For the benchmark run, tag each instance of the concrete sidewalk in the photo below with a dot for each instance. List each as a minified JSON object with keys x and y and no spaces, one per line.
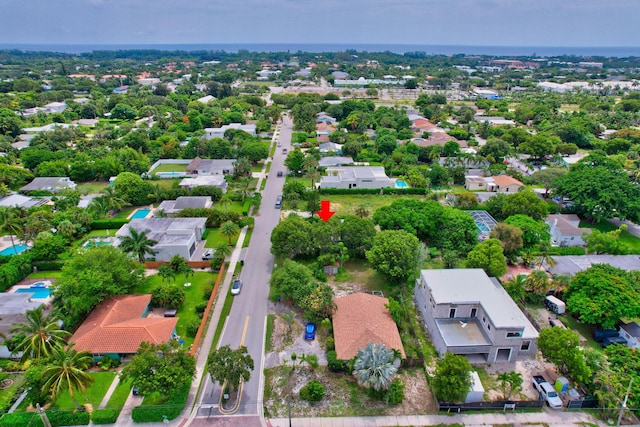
{"x":546,"y":418}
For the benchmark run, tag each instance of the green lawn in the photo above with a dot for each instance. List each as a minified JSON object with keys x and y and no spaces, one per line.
{"x":170,"y":167}
{"x":167,"y":183}
{"x":100,"y":233}
{"x":125,"y":212}
{"x":627,"y":238}
{"x":119,"y":395}
{"x":94,"y":393}
{"x":194,"y":297}
{"x":92,"y":187}
{"x":45,"y":275}
{"x":214,"y":238}
{"x":257,"y":167}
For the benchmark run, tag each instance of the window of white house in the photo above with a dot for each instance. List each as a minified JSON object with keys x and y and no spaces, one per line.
{"x":514,"y":334}
{"x":525,"y":345}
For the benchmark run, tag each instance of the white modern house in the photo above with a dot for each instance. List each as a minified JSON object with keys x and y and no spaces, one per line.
{"x":565,"y":230}
{"x":469,"y":313}
{"x":356,"y":177}
{"x":173,"y":236}
{"x":211,"y":133}
{"x":173,"y":207}
{"x":631,"y":333}
{"x":52,"y":184}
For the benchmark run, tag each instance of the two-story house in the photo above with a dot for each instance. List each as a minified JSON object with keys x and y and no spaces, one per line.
{"x":469,"y":313}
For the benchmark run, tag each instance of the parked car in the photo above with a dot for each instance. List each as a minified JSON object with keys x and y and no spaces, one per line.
{"x":310,"y":331}
{"x":547,"y":392}
{"x":278,"y":202}
{"x":135,"y":391}
{"x":613,"y":340}
{"x":280,"y":174}
{"x":208,"y":254}
{"x":236,"y":286}
{"x":284,"y":151}
{"x":601,"y":334}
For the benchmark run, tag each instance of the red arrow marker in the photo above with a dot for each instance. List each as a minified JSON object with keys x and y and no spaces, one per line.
{"x":325,"y":211}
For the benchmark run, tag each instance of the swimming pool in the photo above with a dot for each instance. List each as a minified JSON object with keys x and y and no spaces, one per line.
{"x":38,"y":293}
{"x":401,"y":184}
{"x":14,"y":250}
{"x":171,"y":174}
{"x":140,"y":213}
{"x":92,"y":243}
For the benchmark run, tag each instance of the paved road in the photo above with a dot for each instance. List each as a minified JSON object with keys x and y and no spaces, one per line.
{"x":248,"y":314}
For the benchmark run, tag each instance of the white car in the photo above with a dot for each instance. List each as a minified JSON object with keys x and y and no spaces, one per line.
{"x":208,"y":254}
{"x":236,"y":286}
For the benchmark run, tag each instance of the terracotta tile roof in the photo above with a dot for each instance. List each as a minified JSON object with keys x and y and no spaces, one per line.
{"x":423,"y":124}
{"x":194,"y":164}
{"x":361,"y":319}
{"x":505,"y":180}
{"x":116,"y":326}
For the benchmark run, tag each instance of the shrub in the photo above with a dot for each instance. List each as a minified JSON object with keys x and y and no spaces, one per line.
{"x":313,"y":391}
{"x":103,"y":224}
{"x":395,"y":394}
{"x":168,"y":295}
{"x":171,"y":408}
{"x":48,"y":265}
{"x":200,"y":308}
{"x":107,"y":363}
{"x":15,"y":269}
{"x":21,"y":419}
{"x":330,"y":344}
{"x":192,"y":328}
{"x":104,"y":416}
{"x":68,"y":418}
{"x":334,"y":364}
{"x":206,"y":292}
{"x":246,"y":221}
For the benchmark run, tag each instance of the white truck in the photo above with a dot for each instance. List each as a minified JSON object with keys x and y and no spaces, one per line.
{"x":547,"y":392}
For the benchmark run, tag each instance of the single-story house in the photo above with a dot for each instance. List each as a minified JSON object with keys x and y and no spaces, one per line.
{"x":55,"y":107}
{"x":494,"y":121}
{"x":173,"y":236}
{"x":173,"y":207}
{"x":334,"y":161}
{"x":328,"y":147}
{"x":205,"y":181}
{"x":21,"y":201}
{"x":631,"y":333}
{"x":565,"y":230}
{"x":119,"y":324}
{"x":573,"y":264}
{"x":495,"y":184}
{"x":52,"y":184}
{"x":438,"y":138}
{"x":13,"y":307}
{"x":356,"y":177}
{"x":361,"y":319}
{"x":211,"y":133}
{"x":467,"y":312}
{"x":205,"y":99}
{"x":200,"y":166}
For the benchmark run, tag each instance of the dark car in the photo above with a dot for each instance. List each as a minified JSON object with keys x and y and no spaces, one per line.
{"x":235,"y":288}
{"x":280,"y":174}
{"x":310,"y":331}
{"x":613,"y":340}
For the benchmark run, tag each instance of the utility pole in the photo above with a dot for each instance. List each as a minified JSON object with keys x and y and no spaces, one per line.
{"x":289,"y":408}
{"x":624,"y":403}
{"x":43,"y":416}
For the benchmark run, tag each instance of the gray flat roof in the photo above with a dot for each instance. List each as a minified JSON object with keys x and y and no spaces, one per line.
{"x":572,"y":264}
{"x":472,"y":285}
{"x":457,"y":334}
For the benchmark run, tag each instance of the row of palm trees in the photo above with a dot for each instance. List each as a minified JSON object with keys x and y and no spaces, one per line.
{"x":45,"y":343}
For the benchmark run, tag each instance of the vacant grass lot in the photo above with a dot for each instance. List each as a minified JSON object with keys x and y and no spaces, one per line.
{"x":170,"y":167}
{"x":94,"y":187}
{"x":195,"y":296}
{"x":346,"y":204}
{"x":627,"y":238}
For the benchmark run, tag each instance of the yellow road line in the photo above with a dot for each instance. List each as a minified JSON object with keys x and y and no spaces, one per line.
{"x":244,"y":331}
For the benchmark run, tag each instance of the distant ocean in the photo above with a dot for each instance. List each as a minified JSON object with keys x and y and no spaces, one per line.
{"x":612,"y":51}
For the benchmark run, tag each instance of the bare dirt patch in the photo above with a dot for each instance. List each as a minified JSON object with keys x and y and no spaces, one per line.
{"x":527,"y":368}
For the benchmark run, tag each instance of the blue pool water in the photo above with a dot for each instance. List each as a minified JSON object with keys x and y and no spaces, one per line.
{"x":93,"y":243}
{"x":14,"y":250}
{"x":171,"y":174}
{"x":141,"y":213}
{"x":39,"y":293}
{"x":401,"y":184}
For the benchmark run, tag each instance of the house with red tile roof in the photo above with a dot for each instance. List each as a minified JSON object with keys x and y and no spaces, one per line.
{"x":361,"y":319}
{"x":506,"y":184}
{"x":119,"y":324}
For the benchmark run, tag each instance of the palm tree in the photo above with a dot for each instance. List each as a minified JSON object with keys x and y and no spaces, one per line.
{"x":137,"y":243}
{"x":99,"y":207}
{"x":67,"y":372}
{"x":225,"y":200}
{"x":166,"y":272}
{"x":362,"y":211}
{"x":113,"y":201}
{"x":10,"y":223}
{"x":229,"y":229}
{"x":42,"y":334}
{"x":223,"y":250}
{"x":66,"y":228}
{"x":537,"y":282}
{"x":510,"y":383}
{"x":374,"y":367}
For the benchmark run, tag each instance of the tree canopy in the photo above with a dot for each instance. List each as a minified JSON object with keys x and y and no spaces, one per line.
{"x":489,"y":256}
{"x":452,"y":378}
{"x":394,"y":254}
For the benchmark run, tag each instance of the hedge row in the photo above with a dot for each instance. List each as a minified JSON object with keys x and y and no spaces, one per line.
{"x":104,"y":224}
{"x":56,"y":418}
{"x":48,"y":265}
{"x":390,"y":190}
{"x":13,"y":269}
{"x":171,"y":410}
{"x":105,"y":416}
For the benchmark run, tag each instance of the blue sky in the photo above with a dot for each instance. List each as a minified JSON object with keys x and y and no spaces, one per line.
{"x":421,"y":22}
